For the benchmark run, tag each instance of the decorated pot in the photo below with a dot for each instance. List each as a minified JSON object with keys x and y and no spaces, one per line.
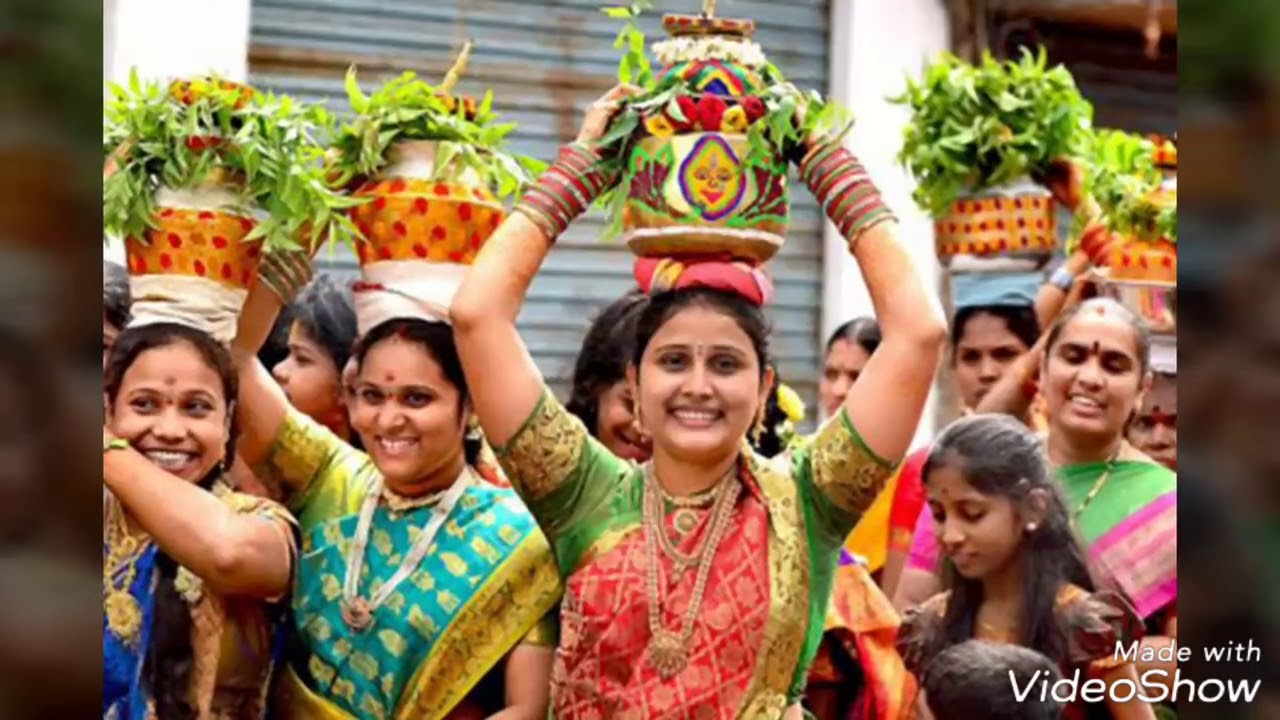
{"x":421,"y":229}
{"x":1010,"y":227}
{"x":195,"y":260}
{"x":693,"y":187}
{"x":692,"y":194}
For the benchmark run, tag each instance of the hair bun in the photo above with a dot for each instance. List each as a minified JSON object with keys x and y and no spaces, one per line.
{"x":656,"y":275}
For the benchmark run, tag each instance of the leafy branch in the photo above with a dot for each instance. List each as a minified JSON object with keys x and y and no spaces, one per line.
{"x":975,"y":127}
{"x":1123,"y":178}
{"x":407,"y":108}
{"x":262,"y":146}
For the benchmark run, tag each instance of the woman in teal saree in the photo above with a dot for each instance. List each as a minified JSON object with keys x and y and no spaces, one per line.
{"x":425,"y":589}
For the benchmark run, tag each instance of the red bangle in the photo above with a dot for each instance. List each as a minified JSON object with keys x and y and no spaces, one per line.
{"x":566,"y":189}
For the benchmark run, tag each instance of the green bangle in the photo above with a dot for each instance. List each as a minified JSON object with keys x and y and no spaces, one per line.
{"x":114,"y":444}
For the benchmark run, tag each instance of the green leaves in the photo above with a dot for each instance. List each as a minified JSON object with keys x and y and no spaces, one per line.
{"x":265,"y":144}
{"x":1122,"y":176}
{"x":408,"y":108}
{"x":978,"y":126}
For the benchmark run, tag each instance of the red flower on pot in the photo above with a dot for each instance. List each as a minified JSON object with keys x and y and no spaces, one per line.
{"x":689,"y":109}
{"x":755,"y":108}
{"x":710,"y":112}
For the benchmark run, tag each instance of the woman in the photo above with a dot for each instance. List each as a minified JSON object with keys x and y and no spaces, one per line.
{"x":319,"y":342}
{"x":1094,"y":373}
{"x":990,"y":332}
{"x":1015,"y":572}
{"x":734,"y":637}
{"x":847,"y":352}
{"x":423,"y":588}
{"x":190,"y":568}
{"x":1154,"y":428}
{"x":600,"y":397}
{"x":115,"y":305}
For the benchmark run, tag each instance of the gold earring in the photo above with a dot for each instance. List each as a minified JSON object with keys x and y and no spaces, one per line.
{"x":757,"y":428}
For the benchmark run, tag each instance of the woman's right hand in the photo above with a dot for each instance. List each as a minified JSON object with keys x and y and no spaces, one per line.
{"x":601,"y":112}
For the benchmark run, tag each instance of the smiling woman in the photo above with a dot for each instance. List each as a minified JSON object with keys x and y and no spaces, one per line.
{"x":186,"y":560}
{"x":734,"y":552}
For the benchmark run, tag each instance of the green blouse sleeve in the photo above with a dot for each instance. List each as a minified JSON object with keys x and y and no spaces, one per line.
{"x":573,"y":485}
{"x":839,"y":478}
{"x":312,"y":462}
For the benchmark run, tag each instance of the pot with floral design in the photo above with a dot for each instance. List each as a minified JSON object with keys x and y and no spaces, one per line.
{"x":695,"y":182}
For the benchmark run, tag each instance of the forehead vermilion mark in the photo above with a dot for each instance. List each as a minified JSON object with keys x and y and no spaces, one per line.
{"x":389,"y":378}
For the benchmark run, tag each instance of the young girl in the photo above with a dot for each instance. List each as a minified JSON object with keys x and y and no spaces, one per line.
{"x":1014,"y":571}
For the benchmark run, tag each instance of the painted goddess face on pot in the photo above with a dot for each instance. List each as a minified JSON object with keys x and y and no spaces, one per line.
{"x":711,"y":178}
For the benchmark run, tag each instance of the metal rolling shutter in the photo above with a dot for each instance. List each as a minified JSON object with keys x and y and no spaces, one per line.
{"x":546,"y":62}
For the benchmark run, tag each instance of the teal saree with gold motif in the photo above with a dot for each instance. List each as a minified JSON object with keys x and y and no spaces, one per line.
{"x":487,"y":583}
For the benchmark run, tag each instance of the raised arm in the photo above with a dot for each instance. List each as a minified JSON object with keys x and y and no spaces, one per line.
{"x":234,"y":553}
{"x":504,"y":383}
{"x":883,"y":407}
{"x":262,"y":405}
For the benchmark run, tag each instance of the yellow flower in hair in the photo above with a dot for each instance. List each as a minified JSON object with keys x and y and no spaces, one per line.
{"x":659,"y":126}
{"x":790,"y":404}
{"x":734,"y":120}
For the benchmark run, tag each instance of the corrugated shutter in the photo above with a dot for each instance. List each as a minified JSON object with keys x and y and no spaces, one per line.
{"x":546,"y":62}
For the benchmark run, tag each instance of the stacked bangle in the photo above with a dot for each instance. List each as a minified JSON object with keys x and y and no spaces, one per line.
{"x":285,"y":273}
{"x":566,"y":189}
{"x":843,"y":189}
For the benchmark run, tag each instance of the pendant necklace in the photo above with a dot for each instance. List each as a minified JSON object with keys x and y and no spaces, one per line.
{"x":358,"y":611}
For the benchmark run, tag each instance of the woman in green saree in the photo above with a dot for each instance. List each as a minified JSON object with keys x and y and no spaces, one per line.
{"x":696,"y":584}
{"x":424,"y":589}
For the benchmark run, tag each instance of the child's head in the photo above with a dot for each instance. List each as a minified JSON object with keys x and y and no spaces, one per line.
{"x":998,"y":511}
{"x":975,"y":679}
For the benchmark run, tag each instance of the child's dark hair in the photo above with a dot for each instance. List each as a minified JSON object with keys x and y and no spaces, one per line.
{"x":862,"y":331}
{"x":972,"y":680}
{"x":1020,"y":319}
{"x":168,"y":665}
{"x":663,"y":306}
{"x":602,"y":362}
{"x":998,"y":455}
{"x":1141,"y":331}
{"x":115,"y":294}
{"x":436,"y":338}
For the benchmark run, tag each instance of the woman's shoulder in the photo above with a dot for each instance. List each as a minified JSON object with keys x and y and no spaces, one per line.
{"x":1096,"y":624}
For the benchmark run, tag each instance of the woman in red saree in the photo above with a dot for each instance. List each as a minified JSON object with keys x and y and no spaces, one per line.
{"x":697,"y":584}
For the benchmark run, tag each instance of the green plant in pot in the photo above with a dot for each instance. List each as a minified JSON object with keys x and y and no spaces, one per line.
{"x":704,"y":149}
{"x":429,"y":167}
{"x":1139,"y":219}
{"x":981,"y":140}
{"x":202,"y":178}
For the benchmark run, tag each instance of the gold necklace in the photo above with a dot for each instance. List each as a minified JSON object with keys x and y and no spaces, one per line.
{"x":686,"y":516}
{"x":119,"y":569}
{"x":1097,"y":486}
{"x":398,"y":503}
{"x":669,"y":650}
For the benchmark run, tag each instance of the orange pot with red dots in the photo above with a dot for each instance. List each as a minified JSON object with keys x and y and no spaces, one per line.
{"x":998,"y":225}
{"x":197,"y":243}
{"x":416,"y":219}
{"x":1144,"y":261}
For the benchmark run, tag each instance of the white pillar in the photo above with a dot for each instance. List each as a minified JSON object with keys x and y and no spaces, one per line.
{"x":166,"y":39}
{"x":875,"y":46}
